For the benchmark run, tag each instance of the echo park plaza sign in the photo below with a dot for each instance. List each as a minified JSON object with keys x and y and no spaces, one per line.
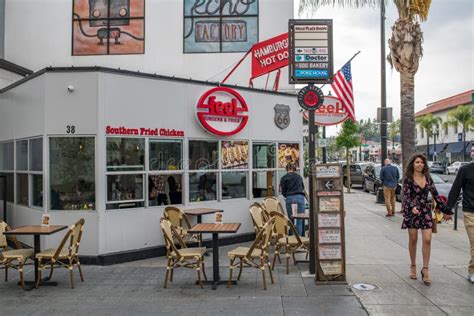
{"x":222,"y":111}
{"x":330,"y":113}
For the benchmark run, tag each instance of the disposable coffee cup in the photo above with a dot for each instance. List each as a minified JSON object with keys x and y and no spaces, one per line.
{"x":294,"y":209}
{"x":218,"y":217}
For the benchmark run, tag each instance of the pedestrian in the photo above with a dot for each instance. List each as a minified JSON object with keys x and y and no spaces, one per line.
{"x":465,"y":181}
{"x":292,"y":188}
{"x":417,"y":212}
{"x":389,"y":176}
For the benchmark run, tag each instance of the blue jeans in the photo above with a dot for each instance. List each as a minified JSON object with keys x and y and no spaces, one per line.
{"x":299,"y":200}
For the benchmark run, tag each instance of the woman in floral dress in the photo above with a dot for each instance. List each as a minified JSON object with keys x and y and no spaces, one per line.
{"x":416,"y":207}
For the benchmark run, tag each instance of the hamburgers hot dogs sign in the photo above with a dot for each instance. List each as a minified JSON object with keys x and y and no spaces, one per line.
{"x":222,"y":111}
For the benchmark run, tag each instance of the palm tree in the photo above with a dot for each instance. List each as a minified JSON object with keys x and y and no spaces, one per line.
{"x":461,"y":115}
{"x":429,"y":123}
{"x":405,"y":53}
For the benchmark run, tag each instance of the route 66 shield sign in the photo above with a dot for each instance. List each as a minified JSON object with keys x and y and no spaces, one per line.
{"x":282,"y":115}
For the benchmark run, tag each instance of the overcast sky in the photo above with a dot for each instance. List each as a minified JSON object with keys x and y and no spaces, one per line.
{"x":446,"y":68}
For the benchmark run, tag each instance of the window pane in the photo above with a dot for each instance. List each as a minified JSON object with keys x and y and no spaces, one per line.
{"x":125,"y":154}
{"x":235,"y":155}
{"x":22,"y":155}
{"x":124,"y":187}
{"x":203,"y":154}
{"x":165,"y":155}
{"x":36,"y":154}
{"x":264,"y":155}
{"x":234,"y":185}
{"x":202,"y":186}
{"x":22,"y":189}
{"x":6,"y":156}
{"x":37,"y":187}
{"x":10,"y":187}
{"x":263,"y":183}
{"x":72,"y":173}
{"x":165,"y":189}
{"x":288,"y":153}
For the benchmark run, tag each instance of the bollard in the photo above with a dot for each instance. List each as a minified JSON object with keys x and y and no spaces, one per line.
{"x":380,"y":199}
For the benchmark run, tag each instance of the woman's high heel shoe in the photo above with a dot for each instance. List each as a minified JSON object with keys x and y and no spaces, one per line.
{"x":427,"y":280}
{"x":413,"y":272}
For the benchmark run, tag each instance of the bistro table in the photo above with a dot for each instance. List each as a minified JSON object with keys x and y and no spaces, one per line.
{"x":199,"y":212}
{"x":36,"y":231}
{"x":215,"y":229}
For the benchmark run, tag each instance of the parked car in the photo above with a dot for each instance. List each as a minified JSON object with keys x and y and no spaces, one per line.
{"x":356,"y":171}
{"x":454,"y":167}
{"x":372,"y":183}
{"x":436,"y":167}
{"x":442,"y":187}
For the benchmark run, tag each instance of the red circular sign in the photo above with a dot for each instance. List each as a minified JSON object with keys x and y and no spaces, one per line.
{"x":311,"y":98}
{"x":222,"y":111}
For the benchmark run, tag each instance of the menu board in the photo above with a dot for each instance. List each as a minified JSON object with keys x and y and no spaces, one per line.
{"x":329,"y":220}
{"x":288,"y":153}
{"x":327,"y":172}
{"x":330,"y":252}
{"x":332,"y":267}
{"x":235,"y":154}
{"x":329,"y":204}
{"x":329,"y":236}
{"x":328,"y":185}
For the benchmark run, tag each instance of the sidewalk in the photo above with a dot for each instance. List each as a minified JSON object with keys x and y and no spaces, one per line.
{"x":376,"y":254}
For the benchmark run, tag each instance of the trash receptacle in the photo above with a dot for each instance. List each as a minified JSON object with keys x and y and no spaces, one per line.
{"x":380,"y":199}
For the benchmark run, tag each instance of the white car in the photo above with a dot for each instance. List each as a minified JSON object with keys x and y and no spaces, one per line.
{"x":453,"y":169}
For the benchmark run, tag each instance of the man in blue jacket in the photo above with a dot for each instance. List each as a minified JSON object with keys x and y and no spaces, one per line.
{"x":389,"y":176}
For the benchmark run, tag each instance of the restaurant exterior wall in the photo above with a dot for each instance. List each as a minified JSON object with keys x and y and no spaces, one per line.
{"x":44,"y":106}
{"x":163,"y":48}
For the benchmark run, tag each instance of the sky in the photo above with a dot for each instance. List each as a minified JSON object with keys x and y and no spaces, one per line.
{"x":446,"y":69}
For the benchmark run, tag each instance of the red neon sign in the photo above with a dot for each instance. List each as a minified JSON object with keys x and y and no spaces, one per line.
{"x":222,"y":111}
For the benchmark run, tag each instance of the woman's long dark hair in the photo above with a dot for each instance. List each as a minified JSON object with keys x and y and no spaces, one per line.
{"x":411,"y":166}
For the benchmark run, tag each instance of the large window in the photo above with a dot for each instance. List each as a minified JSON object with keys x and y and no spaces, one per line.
{"x":72,"y":173}
{"x":202,"y":186}
{"x":203,"y":154}
{"x":220,"y":25}
{"x":125,"y":154}
{"x":29,"y":172}
{"x":105,"y":27}
{"x":7,"y":167}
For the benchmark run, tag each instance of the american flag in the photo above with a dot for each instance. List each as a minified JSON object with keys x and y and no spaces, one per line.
{"x":342,"y":86}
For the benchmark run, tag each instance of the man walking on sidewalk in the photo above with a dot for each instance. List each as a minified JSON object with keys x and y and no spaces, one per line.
{"x":465,"y":181}
{"x":389,"y":176}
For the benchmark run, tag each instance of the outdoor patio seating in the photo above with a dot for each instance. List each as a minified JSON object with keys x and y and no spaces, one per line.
{"x":184,"y":257}
{"x":181,"y":224}
{"x":255,"y":256}
{"x":272,"y":204}
{"x":64,"y":256}
{"x":292,"y":244}
{"x":14,"y":259}
{"x":259,"y":217}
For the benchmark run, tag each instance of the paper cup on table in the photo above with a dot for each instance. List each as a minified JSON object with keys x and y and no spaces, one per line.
{"x":294,"y":209}
{"x":218,"y":217}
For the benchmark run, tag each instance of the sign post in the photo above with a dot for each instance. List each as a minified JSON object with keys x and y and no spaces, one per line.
{"x":311,"y":62}
{"x":330,"y":232}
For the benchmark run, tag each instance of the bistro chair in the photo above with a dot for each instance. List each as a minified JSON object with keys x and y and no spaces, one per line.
{"x":64,"y":256}
{"x":16,"y":258}
{"x":255,"y":256}
{"x":184,"y":257}
{"x":292,"y":244}
{"x":258,"y":215}
{"x":181,"y":224}
{"x":273,"y":204}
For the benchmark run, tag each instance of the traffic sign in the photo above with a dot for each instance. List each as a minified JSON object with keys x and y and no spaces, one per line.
{"x":311,"y":52}
{"x":310,"y":98}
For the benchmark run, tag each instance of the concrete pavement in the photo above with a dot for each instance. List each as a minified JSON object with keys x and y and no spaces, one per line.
{"x":376,"y":254}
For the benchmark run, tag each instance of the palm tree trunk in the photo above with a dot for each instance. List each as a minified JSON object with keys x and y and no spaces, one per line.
{"x":427,"y":146}
{"x":407,"y":111}
{"x":464,"y":144}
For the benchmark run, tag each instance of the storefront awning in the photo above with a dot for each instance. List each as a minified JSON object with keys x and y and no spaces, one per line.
{"x":458,"y":147}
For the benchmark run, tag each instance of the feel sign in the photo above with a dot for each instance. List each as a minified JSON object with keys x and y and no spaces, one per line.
{"x":311,"y":52}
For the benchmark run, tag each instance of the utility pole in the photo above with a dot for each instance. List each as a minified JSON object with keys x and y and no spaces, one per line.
{"x":324,"y":148}
{"x":383,"y":103}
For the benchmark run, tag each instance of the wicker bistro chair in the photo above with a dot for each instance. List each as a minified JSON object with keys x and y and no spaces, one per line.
{"x":14,"y":259}
{"x":272,"y":204}
{"x":258,"y":215}
{"x":181,"y":224}
{"x":292,"y":244}
{"x":256,"y":256}
{"x":65,"y":256}
{"x":183,"y":257}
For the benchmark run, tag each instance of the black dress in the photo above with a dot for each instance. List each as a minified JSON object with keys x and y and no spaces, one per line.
{"x":415,"y":196}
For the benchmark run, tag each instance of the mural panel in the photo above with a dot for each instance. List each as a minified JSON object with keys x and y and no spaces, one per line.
{"x":215,"y":26}
{"x":108,"y":27}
